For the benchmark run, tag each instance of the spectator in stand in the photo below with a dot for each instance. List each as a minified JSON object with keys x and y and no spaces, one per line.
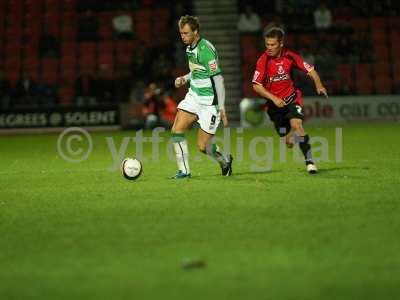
{"x":137,"y":91}
{"x":49,"y":45}
{"x":322,"y":17}
{"x":344,"y":48}
{"x":363,"y":46}
{"x":92,"y":5}
{"x":152,"y":106}
{"x":26,"y":91}
{"x":5,"y":91}
{"x":161,"y":70}
{"x":249,"y":21}
{"x":360,"y":7}
{"x":168,"y":110}
{"x":140,"y":63}
{"x":105,"y":85}
{"x":123,"y":85}
{"x":343,"y":16}
{"x":85,"y":88}
{"x":122,"y":25}
{"x":46,"y":94}
{"x":88,"y":27}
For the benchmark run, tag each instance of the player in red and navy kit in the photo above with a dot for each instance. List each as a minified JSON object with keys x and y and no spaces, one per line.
{"x":273,"y":81}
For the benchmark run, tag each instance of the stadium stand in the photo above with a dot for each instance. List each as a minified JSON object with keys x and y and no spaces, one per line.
{"x":358,"y":55}
{"x":367,"y":43}
{"x":54,"y":41}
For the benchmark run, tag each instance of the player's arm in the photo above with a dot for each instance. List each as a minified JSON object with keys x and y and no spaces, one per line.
{"x":260,"y":76}
{"x":310,"y":71}
{"x":319,"y":87}
{"x":182,"y":80}
{"x":263,"y":92}
{"x":209,"y":60}
{"x":220,"y":90}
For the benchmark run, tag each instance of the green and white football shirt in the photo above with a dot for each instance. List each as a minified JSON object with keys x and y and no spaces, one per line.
{"x":203,"y":65}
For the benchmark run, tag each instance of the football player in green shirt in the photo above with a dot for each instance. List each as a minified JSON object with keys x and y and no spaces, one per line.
{"x":204,"y":102}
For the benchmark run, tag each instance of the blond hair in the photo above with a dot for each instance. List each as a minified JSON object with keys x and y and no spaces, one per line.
{"x":192,"y":21}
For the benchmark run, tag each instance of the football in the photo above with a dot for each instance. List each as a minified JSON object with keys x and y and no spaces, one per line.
{"x":131,"y":168}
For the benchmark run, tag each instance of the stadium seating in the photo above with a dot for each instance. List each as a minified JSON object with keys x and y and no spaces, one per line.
{"x":396,"y":78}
{"x":346,"y":76}
{"x":375,"y":43}
{"x":360,"y":24}
{"x":22,"y":23}
{"x":378,"y":22}
{"x":383,"y":85}
{"x":382,"y":79}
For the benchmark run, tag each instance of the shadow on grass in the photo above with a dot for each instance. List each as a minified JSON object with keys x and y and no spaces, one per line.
{"x":250,"y":176}
{"x":257,"y":173}
{"x":273,"y":176}
{"x":340,"y":173}
{"x":238,"y":174}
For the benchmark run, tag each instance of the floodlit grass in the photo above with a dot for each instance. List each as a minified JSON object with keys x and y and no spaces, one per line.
{"x":81,"y":231}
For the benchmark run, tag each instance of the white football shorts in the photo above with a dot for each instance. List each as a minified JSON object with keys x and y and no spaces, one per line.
{"x":208,"y":115}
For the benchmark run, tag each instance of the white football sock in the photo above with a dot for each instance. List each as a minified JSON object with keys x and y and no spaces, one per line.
{"x":182,"y":156}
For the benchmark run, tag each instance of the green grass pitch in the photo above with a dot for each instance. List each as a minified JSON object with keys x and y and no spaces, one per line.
{"x":81,"y":231}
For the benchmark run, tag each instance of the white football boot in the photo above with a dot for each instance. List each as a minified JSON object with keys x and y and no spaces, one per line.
{"x":312,"y":168}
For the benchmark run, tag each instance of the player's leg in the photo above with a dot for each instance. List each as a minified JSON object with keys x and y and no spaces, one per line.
{"x":295,"y":116}
{"x":207,"y":146}
{"x":304,"y":143}
{"x":209,"y":120}
{"x":289,"y":139}
{"x":296,"y":126}
{"x":281,"y":123}
{"x":182,"y":123}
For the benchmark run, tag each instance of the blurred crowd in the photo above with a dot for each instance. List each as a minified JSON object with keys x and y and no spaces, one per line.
{"x":298,"y":13}
{"x":148,"y":77}
{"x":130,"y":81}
{"x":26,"y":93}
{"x":326,"y":33}
{"x":159,"y":107}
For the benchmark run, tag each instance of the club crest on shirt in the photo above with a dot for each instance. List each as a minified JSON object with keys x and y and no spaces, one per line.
{"x":281,"y":70}
{"x":213,"y":65}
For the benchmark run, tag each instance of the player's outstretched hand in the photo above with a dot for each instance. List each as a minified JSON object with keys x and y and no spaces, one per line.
{"x":223,"y":116}
{"x":322,"y":91}
{"x":180,"y":81}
